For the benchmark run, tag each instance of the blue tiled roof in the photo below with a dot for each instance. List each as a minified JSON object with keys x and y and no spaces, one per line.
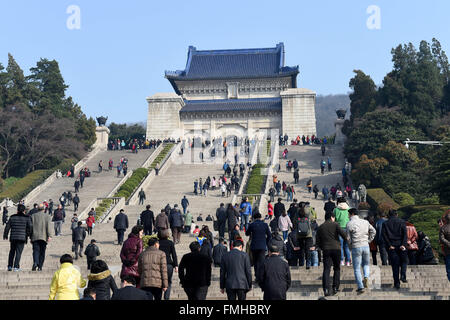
{"x":263,"y":104}
{"x":232,"y":64}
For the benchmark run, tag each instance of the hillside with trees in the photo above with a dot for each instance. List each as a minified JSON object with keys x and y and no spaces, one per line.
{"x":413,"y":103}
{"x":40,"y":126}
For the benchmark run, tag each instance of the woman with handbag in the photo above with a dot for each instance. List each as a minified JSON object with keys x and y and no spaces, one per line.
{"x":412,"y":245}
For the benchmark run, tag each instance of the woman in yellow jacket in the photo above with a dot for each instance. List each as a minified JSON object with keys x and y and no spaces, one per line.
{"x":66,"y":281}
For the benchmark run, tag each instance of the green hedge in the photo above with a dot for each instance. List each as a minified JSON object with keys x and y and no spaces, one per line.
{"x":404,"y":199}
{"x":161,"y":155}
{"x":256,"y":180}
{"x":375,"y":197}
{"x":21,"y":187}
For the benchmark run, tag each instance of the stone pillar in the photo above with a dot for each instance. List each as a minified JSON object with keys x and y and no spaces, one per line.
{"x":102,"y":134}
{"x":298,"y":113}
{"x":164,"y":116}
{"x":340,"y":137}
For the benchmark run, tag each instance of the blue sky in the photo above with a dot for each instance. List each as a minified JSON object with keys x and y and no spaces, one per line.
{"x":119,"y":55}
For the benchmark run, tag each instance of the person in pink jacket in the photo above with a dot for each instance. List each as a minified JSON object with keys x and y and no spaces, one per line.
{"x":284,"y":223}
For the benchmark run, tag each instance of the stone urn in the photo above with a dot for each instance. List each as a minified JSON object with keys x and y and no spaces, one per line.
{"x":102,"y":121}
{"x":341,"y":113}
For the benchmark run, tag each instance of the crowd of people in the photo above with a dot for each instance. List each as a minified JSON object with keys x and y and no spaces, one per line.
{"x":304,"y":140}
{"x":285,"y":238}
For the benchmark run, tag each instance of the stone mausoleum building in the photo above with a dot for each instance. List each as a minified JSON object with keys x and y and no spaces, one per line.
{"x":223,"y":93}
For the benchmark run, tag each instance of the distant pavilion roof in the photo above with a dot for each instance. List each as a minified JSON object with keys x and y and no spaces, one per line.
{"x":257,"y":104}
{"x":233,"y":64}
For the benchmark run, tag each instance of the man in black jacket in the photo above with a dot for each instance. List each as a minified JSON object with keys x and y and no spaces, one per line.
{"x":329,"y":205}
{"x":221,"y":214}
{"x":176,"y":223}
{"x":76,"y":202}
{"x":78,"y":236}
{"x":120,"y":225}
{"x":219,"y":250}
{"x":21,"y":229}
{"x":194,"y":272}
{"x":236,"y":273}
{"x":260,"y":235}
{"x":278,"y":209}
{"x":275,"y":276}
{"x":147,"y":220}
{"x":129,"y":291}
{"x":141,"y":196}
{"x":327,"y":239}
{"x":395,"y":240}
{"x":232,"y":219}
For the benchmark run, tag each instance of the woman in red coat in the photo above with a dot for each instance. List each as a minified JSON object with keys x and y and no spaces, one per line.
{"x":270,"y":210}
{"x":90,"y":222}
{"x":411,"y":244}
{"x":131,"y":249}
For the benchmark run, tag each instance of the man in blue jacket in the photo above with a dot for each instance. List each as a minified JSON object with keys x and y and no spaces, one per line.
{"x":260,"y":236}
{"x":246,"y":212}
{"x":379,"y":238}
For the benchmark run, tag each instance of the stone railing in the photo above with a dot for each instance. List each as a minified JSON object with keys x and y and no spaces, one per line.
{"x":252,"y":159}
{"x":113,"y":210}
{"x":271,"y":169}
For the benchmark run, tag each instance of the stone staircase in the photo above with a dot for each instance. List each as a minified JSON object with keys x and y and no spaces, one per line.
{"x":309,"y":158}
{"x":425,"y":282}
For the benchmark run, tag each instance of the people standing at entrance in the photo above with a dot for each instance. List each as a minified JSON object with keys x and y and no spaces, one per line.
{"x":120,"y":225}
{"x":40,"y":237}
{"x":395,"y":240}
{"x":129,"y":254}
{"x":260,"y":235}
{"x":19,"y":227}
{"x":195,"y":273}
{"x":328,"y":240}
{"x":152,"y":268}
{"x":360,"y":234}
{"x":147,"y":220}
{"x":236,"y":273}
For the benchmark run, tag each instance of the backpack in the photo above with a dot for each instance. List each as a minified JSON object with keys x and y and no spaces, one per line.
{"x":303,"y":227}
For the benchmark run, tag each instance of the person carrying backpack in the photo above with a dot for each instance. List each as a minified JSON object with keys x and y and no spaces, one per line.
{"x":304,"y":235}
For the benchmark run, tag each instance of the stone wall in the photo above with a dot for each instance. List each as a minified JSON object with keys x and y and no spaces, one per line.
{"x":298,"y":116}
{"x":247,"y":88}
{"x":164,"y":116}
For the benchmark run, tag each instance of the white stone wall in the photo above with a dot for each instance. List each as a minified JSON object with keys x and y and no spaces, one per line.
{"x":298,"y":113}
{"x":164,"y":116}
